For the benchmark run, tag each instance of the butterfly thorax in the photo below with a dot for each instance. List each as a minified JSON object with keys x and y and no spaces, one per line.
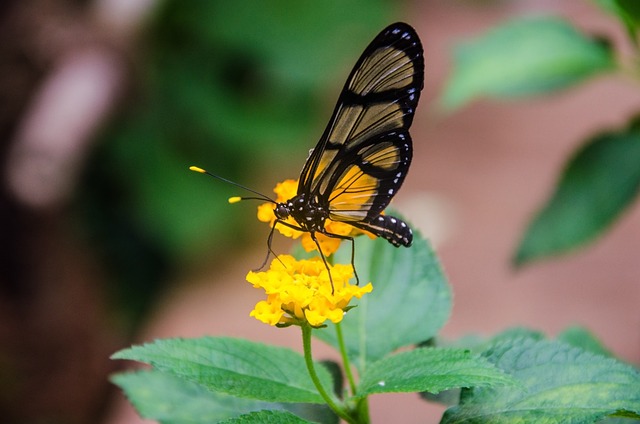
{"x":308,"y":213}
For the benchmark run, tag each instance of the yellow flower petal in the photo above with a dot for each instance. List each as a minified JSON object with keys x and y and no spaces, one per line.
{"x":266,"y":214}
{"x":286,"y":190}
{"x":300,"y":290}
{"x":269,"y":313}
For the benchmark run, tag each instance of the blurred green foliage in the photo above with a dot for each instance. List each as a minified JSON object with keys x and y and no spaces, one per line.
{"x":523,"y":57}
{"x":627,"y":12}
{"x":598,"y":184}
{"x":239,"y":90}
{"x":533,"y":56}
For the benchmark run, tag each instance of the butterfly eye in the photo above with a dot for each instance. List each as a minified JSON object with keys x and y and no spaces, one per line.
{"x":282,"y":211}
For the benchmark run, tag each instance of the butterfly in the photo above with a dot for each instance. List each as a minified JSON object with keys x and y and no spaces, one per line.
{"x":364,"y":154}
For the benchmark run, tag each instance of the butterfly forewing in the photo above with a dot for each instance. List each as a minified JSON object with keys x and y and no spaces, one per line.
{"x":387,"y":68}
{"x":364,"y":154}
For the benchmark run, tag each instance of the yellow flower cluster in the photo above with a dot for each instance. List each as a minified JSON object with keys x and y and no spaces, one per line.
{"x":300,"y":290}
{"x":329,"y":245}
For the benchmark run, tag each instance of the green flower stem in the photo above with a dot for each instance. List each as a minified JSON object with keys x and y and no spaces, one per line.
{"x":363,"y":410}
{"x":306,"y":343}
{"x":345,"y":359}
{"x":363,"y":404}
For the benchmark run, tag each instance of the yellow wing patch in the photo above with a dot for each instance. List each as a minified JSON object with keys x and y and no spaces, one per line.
{"x":352,"y":196}
{"x":383,"y":155}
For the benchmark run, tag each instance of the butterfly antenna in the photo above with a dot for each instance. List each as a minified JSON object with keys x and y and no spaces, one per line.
{"x":234,"y":199}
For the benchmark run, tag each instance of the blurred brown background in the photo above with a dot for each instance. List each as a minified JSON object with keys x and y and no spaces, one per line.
{"x":108,"y":240}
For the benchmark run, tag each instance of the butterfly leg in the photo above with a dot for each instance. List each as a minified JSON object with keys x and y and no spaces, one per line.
{"x":324,"y":259}
{"x":353,"y":259}
{"x":269,"y":249}
{"x":353,"y":251}
{"x":315,"y":240}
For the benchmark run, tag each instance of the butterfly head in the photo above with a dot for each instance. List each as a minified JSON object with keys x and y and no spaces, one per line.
{"x":283,"y":210}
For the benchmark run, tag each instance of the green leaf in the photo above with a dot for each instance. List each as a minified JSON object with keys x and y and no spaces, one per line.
{"x":429,"y":369}
{"x":560,"y":384}
{"x":629,"y":13}
{"x":524,"y":57}
{"x":169,"y":399}
{"x":478,"y":344}
{"x":584,"y":339}
{"x":599,"y":182}
{"x":267,"y":417}
{"x":608,"y":6}
{"x":632,"y":9}
{"x":234,"y":366}
{"x":512,"y":333}
{"x":410,"y":302}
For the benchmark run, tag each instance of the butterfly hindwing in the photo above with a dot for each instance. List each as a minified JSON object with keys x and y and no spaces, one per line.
{"x":363,"y":156}
{"x":364,"y":186}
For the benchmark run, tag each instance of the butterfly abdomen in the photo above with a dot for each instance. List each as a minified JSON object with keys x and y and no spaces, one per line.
{"x":392,"y":229}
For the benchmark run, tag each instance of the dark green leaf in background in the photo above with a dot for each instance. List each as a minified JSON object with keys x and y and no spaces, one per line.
{"x":632,"y":9}
{"x":560,"y":383}
{"x":410,"y":302}
{"x":599,"y":182}
{"x":627,"y":12}
{"x":523,"y":57}
{"x":234,"y":366}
